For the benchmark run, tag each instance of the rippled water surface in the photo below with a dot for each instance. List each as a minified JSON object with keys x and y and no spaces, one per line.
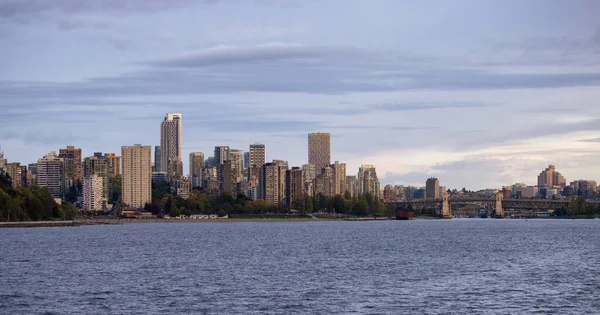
{"x":393,"y":267}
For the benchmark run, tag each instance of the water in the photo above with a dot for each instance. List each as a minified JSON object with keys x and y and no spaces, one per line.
{"x":393,"y":267}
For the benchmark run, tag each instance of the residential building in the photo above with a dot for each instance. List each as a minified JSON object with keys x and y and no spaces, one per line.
{"x":529,"y":192}
{"x":237,"y":164}
{"x":174,"y":169}
{"x":294,"y":185}
{"x":209,"y":162}
{"x":51,"y":174}
{"x":221,"y":154}
{"x":196,"y":166}
{"x":3,"y":161}
{"x":409,"y":192}
{"x":583,"y":187}
{"x":270,"y":177}
{"x":324,"y":182}
{"x":94,"y":198}
{"x":319,"y":150}
{"x":114,"y":164}
{"x":156,"y":167}
{"x":32,"y":171}
{"x":247,"y":159}
{"x":73,"y":167}
{"x":309,"y":172}
{"x":137,"y":175}
{"x":18,"y":174}
{"x":551,"y":178}
{"x":389,"y":194}
{"x":352,"y":186}
{"x":432,"y":188}
{"x":158,"y":176}
{"x":99,"y":164}
{"x":367,"y":180}
{"x":170,"y":140}
{"x":183,"y":187}
{"x":257,"y":155}
{"x":226,"y":178}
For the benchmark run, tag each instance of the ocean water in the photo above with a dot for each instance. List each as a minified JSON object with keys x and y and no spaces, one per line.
{"x":458,"y":266}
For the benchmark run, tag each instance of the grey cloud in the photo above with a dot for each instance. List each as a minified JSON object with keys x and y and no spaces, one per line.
{"x":424,"y":106}
{"x":231,"y":55}
{"x":596,"y":140}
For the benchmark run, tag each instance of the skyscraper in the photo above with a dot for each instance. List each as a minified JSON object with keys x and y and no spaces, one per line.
{"x":432,"y":188}
{"x":137,"y":175}
{"x":51,"y":171}
{"x":550,"y":177}
{"x":221,"y":154}
{"x":294,"y":185}
{"x":339,"y":178}
{"x":268,"y":182}
{"x":114,"y":164}
{"x":367,"y":180}
{"x":226,"y":178}
{"x":257,"y":155}
{"x":170,"y":140}
{"x":196,"y":166}
{"x":99,"y":164}
{"x":73,"y":168}
{"x":94,"y":198}
{"x":157,"y":164}
{"x":237,"y":164}
{"x":247,"y":159}
{"x":18,"y":174}
{"x":319,"y":150}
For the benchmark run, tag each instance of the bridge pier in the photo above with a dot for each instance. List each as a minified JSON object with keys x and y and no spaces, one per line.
{"x":499,"y":208}
{"x":446,"y":210}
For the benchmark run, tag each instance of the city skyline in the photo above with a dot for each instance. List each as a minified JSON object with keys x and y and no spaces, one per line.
{"x":477,"y":94}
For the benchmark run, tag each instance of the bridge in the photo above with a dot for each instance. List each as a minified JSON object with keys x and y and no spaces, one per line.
{"x":497,"y":203}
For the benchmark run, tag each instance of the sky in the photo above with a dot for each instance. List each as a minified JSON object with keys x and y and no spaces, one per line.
{"x":479,"y":94}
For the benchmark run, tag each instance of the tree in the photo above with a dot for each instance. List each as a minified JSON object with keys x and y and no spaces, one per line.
{"x":222,"y":213}
{"x":360,"y":208}
{"x":69,"y":210}
{"x":347,"y":195}
{"x":117,"y":184}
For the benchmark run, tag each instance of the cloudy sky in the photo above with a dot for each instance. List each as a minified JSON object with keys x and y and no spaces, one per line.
{"x":476,"y":93}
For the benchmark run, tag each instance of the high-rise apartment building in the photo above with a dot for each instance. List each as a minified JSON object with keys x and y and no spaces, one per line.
{"x":367,"y":180}
{"x":196,"y":166}
{"x":389,"y":193}
{"x":294,"y":185}
{"x":156,"y":167}
{"x":309,"y":172}
{"x":584,"y":187}
{"x":268,"y":181}
{"x":3,"y":161}
{"x":18,"y":174}
{"x":432,"y":188}
{"x":257,"y":155}
{"x":73,"y":167}
{"x":237,"y":164}
{"x":51,"y":174}
{"x":352,"y":186}
{"x":339,"y":178}
{"x":170,"y":140}
{"x":32,"y":174}
{"x":247,"y":159}
{"x":174,"y":169}
{"x":221,"y":154}
{"x":550,"y":177}
{"x":137,"y":175}
{"x":99,"y":164}
{"x":226,"y":178}
{"x":94,"y":198}
{"x":114,"y":164}
{"x":319,"y":150}
{"x":323,"y":183}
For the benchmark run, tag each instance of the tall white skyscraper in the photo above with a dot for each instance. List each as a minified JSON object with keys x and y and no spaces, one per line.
{"x":170,"y":140}
{"x":51,"y":171}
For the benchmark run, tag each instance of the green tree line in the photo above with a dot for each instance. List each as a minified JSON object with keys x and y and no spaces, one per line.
{"x":163,"y":202}
{"x":31,"y":204}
